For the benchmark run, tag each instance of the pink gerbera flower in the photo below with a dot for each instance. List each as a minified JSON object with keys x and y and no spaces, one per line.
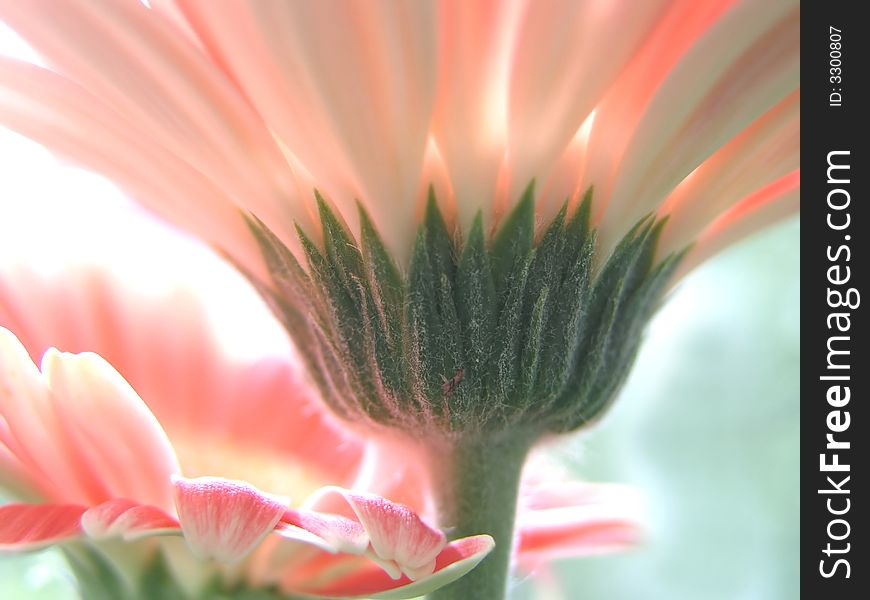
{"x":453,"y":279}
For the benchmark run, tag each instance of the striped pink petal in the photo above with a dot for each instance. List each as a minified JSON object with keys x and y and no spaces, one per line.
{"x":222,"y":519}
{"x":127,"y":519}
{"x":365,"y":580}
{"x":97,"y":426}
{"x":81,"y":126}
{"x":567,"y":54}
{"x":621,"y":109}
{"x":31,"y":527}
{"x":165,"y":344}
{"x":469,"y":123}
{"x":399,"y":539}
{"x":570,"y":519}
{"x":763,"y":153}
{"x":740,"y":68}
{"x":770,"y":204}
{"x":332,"y":533}
{"x":348,"y":86}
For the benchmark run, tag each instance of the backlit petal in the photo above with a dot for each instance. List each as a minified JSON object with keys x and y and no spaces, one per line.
{"x":152,"y":75}
{"x":82,"y":127}
{"x":742,"y":66}
{"x":347,"y":86}
{"x":567,"y":54}
{"x":337,"y":533}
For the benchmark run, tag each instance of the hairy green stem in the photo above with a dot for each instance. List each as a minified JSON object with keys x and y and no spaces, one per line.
{"x":477,"y":481}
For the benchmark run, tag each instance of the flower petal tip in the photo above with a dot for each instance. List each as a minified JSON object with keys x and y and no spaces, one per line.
{"x":128,"y":520}
{"x":398,"y":537}
{"x":224,"y":519}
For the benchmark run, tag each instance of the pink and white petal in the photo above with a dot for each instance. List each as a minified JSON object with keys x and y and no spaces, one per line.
{"x":303,"y":66}
{"x":151,"y":74}
{"x":470,"y":120}
{"x":81,"y":462}
{"x":115,"y":435}
{"x":742,"y":67}
{"x":570,"y":519}
{"x":395,"y":532}
{"x":766,"y":206}
{"x":559,"y":73}
{"x":130,"y":520}
{"x":564,"y":183}
{"x":26,"y":527}
{"x":763,"y":153}
{"x":390,"y":468}
{"x":189,"y":372}
{"x":237,"y":38}
{"x":572,"y":533}
{"x":85,"y":129}
{"x":333,"y":532}
{"x":224,"y":519}
{"x":365,"y":580}
{"x":26,"y":422}
{"x":292,"y":533}
{"x":100,"y":521}
{"x":618,"y":114}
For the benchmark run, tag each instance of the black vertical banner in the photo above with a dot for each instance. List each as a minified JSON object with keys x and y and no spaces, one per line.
{"x":834,"y":262}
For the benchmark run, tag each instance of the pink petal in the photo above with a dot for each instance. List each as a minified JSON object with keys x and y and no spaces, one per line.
{"x":766,"y":151}
{"x":399,"y":538}
{"x":144,"y":68}
{"x":619,"y":113}
{"x":102,"y":440}
{"x":224,"y":519}
{"x":348,"y":87}
{"x":567,"y":55}
{"x":128,"y":519}
{"x":116,"y":437}
{"x":570,"y":519}
{"x":367,"y":581}
{"x":30,"y":527}
{"x":164,"y":343}
{"x":768,"y":205}
{"x":743,"y":65}
{"x":469,"y":126}
{"x":391,"y":469}
{"x":31,"y":466}
{"x":82,"y":127}
{"x":337,"y":534}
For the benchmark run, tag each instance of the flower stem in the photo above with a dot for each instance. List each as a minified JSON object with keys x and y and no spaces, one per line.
{"x":476,"y":483}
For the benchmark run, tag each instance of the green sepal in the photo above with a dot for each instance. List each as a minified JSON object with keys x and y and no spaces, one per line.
{"x":475,"y":304}
{"x":97,"y":578}
{"x":386,"y":296}
{"x":514,"y":239}
{"x":476,"y":336}
{"x":509,"y":338}
{"x":432,"y":323}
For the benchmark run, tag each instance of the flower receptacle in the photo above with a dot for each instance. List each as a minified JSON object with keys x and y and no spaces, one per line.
{"x":477,"y":336}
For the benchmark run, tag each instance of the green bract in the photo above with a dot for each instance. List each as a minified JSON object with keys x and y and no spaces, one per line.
{"x":477,"y":336}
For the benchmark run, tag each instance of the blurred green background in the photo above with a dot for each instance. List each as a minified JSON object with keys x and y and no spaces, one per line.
{"x":707,"y":427}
